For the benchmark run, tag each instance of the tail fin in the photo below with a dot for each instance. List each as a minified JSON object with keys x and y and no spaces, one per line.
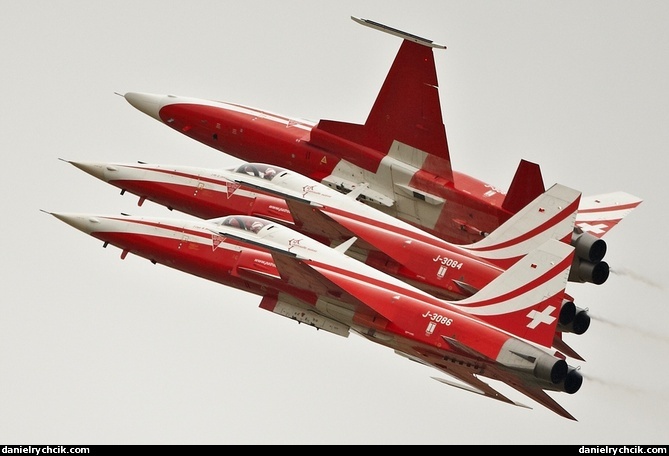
{"x":527,"y":184}
{"x":549,"y":216}
{"x":525,"y":300}
{"x":406,"y":116}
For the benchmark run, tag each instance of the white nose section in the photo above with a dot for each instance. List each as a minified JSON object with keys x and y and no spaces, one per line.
{"x":148,"y":103}
{"x":82,"y":222}
{"x":99,"y":170}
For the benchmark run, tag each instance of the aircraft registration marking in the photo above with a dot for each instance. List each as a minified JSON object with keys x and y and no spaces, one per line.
{"x":444,"y":263}
{"x":438,"y":318}
{"x":493,"y":190}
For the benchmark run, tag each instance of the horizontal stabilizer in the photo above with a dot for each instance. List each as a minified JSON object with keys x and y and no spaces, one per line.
{"x":527,"y":184}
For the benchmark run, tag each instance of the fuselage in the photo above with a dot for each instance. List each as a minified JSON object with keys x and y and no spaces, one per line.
{"x":462,"y":211}
{"x":393,"y":246}
{"x":413,"y":185}
{"x":236,"y":251}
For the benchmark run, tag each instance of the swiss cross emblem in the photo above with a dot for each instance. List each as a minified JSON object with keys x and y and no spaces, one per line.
{"x":596,"y":229}
{"x":537,"y":318}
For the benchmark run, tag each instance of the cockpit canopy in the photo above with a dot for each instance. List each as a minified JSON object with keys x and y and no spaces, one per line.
{"x":259,"y":170}
{"x":244,"y":222}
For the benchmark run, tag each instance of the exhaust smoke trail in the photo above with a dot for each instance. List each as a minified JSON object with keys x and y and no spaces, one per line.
{"x":628,"y":388}
{"x":633,"y":275}
{"x":638,"y":331}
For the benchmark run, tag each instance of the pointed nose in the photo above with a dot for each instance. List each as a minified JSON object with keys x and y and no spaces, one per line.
{"x":102,"y":171}
{"x":148,"y":103}
{"x":83,"y":222}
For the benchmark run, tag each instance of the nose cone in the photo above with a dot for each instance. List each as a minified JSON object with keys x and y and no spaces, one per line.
{"x":83,"y":222}
{"x":148,"y":103}
{"x":102,"y":171}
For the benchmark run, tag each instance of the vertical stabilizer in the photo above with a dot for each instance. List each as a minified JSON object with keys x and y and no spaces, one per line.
{"x":406,"y":113}
{"x":551,"y":215}
{"x":527,"y":184}
{"x":525,"y":300}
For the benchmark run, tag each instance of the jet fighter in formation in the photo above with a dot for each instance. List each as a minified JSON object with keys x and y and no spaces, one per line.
{"x":368,"y":229}
{"x":446,"y":270}
{"x":400,"y":154}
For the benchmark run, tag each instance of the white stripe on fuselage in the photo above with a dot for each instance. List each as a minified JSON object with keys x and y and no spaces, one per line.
{"x":290,"y":122}
{"x":163,"y":228}
{"x":215,"y":182}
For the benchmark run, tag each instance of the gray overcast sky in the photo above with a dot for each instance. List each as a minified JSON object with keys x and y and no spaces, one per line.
{"x":96,"y":350}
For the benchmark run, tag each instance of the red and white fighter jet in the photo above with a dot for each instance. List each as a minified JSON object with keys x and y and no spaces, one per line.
{"x":504,"y":332}
{"x":398,"y":248}
{"x":398,"y":160}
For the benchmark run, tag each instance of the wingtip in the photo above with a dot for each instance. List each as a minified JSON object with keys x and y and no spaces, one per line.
{"x":393,"y":31}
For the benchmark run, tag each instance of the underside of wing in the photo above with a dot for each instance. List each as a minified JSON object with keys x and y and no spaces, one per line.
{"x":534,"y":392}
{"x":468,"y":370}
{"x":465,"y":374}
